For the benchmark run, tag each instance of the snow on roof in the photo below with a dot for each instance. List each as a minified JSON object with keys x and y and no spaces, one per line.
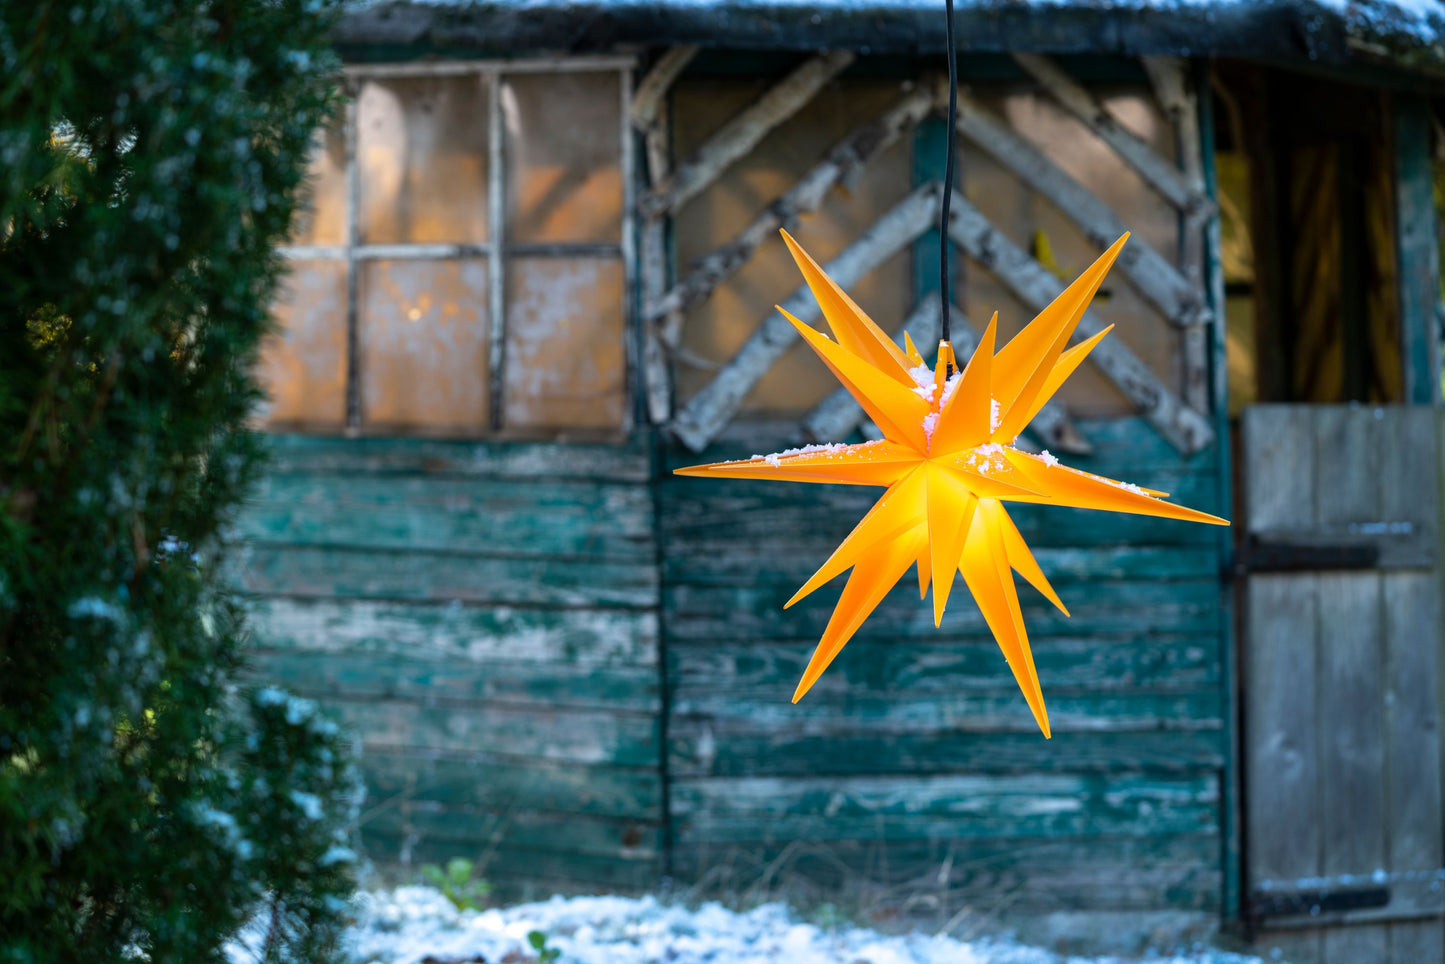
{"x":1329,"y":31}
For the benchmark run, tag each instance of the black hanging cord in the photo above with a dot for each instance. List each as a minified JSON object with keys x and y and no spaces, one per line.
{"x":943,"y":252}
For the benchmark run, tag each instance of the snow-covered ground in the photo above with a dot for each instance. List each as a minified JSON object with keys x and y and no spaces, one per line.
{"x":413,"y":925}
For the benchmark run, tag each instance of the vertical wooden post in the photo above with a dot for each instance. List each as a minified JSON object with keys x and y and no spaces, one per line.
{"x":1219,"y":406}
{"x":353,"y":238}
{"x":496,"y":229}
{"x":1418,"y":251}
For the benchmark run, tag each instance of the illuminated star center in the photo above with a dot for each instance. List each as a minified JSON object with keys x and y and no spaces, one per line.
{"x":948,"y":464}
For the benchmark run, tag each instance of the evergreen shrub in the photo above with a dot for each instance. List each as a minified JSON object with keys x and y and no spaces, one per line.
{"x":153,"y":805}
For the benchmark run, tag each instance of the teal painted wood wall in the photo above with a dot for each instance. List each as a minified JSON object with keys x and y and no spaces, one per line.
{"x":914,"y":761}
{"x":485,"y":618}
{"x":493,"y":620}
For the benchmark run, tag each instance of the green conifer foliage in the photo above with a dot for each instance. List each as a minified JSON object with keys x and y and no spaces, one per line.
{"x":152,"y":805}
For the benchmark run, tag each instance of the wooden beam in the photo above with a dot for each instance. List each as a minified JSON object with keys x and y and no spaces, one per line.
{"x":1185,"y":428}
{"x":1149,"y":272}
{"x":1418,"y":252}
{"x":1170,"y":77}
{"x":741,"y":134}
{"x":649,"y":114}
{"x":710,"y":410}
{"x":839,"y":414}
{"x":843,"y":162}
{"x":1157,"y":172}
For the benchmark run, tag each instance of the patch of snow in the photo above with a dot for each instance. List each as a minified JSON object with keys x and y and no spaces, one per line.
{"x":924,"y":383}
{"x":995,"y":417}
{"x":930,"y":425}
{"x":776,"y":458}
{"x":1047,"y":458}
{"x":409,"y":924}
{"x":950,"y":386}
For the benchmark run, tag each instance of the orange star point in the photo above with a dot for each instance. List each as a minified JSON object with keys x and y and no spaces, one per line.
{"x":948,"y":463}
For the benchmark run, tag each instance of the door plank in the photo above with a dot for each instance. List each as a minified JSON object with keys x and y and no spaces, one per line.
{"x":1351,"y":733}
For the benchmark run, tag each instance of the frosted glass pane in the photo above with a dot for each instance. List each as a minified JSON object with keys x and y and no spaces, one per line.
{"x":566,"y":362}
{"x":422,"y":151}
{"x":303,"y":365}
{"x":563,"y":147}
{"x":424,"y":345}
{"x":322,"y":219}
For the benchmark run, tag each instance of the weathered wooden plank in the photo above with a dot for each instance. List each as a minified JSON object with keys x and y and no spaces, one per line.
{"x":1149,"y":272}
{"x":510,"y":732}
{"x":848,"y":157}
{"x":300,"y":454}
{"x":723,"y":562}
{"x":483,"y":780}
{"x":1417,"y":241}
{"x":1278,"y":443}
{"x":1351,"y":743}
{"x":543,"y":685}
{"x":1346,"y":464}
{"x":537,"y":518}
{"x":1187,"y":429}
{"x":718,"y":613}
{"x":711,"y":408}
{"x":328,"y":572}
{"x":520,"y":828}
{"x":1282,"y":749}
{"x":975,"y":712}
{"x":742,"y":133}
{"x":1149,"y":663}
{"x":1412,"y":619}
{"x":939,"y":807}
{"x":459,"y":635}
{"x":1157,"y":172}
{"x":735,"y":747}
{"x":1083,"y":873}
{"x":521,"y":874}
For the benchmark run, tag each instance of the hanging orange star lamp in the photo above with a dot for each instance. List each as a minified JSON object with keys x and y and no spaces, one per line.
{"x":948,"y":462}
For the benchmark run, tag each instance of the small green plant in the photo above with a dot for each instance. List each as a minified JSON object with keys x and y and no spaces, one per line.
{"x":545,"y":954}
{"x":457,"y":883}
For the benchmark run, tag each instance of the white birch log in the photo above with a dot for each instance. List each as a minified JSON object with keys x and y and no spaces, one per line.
{"x":1185,"y":428}
{"x":1149,"y":272}
{"x":1157,"y":172}
{"x":847,"y":158}
{"x":741,"y":134}
{"x":709,"y":411}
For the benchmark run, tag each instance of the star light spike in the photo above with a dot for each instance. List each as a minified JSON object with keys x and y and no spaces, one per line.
{"x":853,"y":329}
{"x":947,"y":464}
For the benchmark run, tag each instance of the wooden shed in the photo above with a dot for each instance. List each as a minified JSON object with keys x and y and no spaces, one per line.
{"x":539,"y":272}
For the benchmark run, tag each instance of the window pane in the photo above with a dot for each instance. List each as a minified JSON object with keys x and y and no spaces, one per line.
{"x":323,"y":219}
{"x":303,"y":366}
{"x":422,"y":148}
{"x":565,"y":360}
{"x":563,"y":147}
{"x":424,"y":345}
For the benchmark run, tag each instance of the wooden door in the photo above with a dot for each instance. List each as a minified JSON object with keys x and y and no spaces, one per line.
{"x":1340,"y":683}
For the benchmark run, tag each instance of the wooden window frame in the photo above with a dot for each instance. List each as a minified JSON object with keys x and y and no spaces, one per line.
{"x":495,"y":249}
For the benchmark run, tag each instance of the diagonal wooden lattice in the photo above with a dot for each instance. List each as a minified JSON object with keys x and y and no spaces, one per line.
{"x":1175,"y":295}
